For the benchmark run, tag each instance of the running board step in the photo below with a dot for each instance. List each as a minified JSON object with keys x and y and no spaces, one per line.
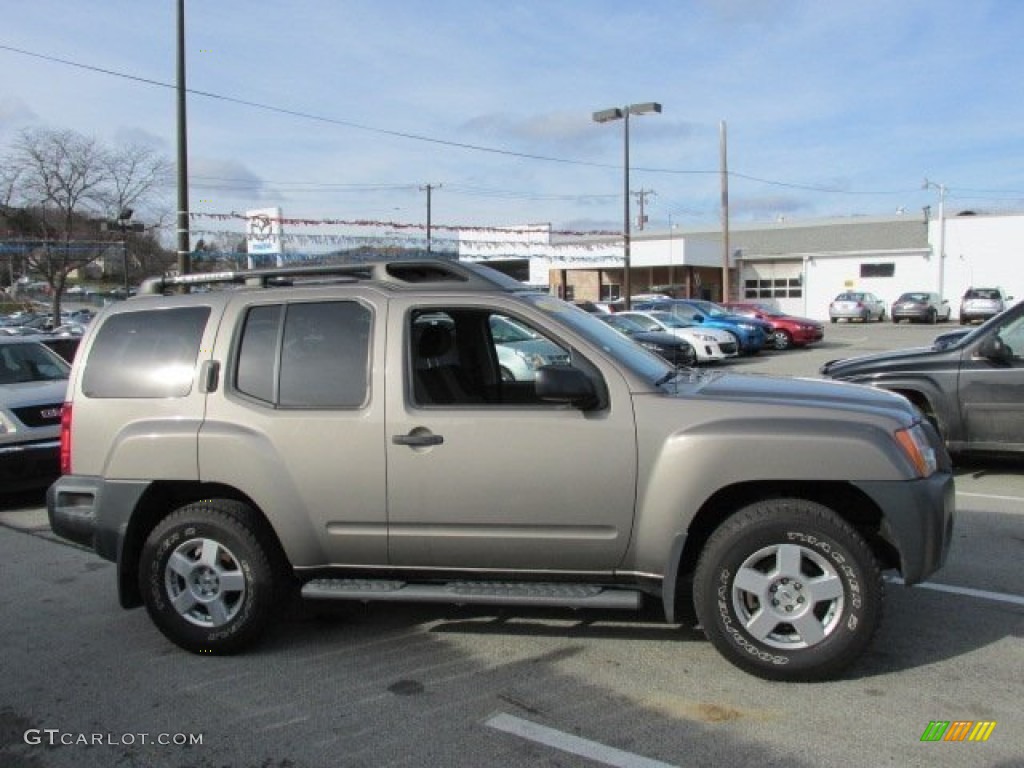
{"x":474,"y":593}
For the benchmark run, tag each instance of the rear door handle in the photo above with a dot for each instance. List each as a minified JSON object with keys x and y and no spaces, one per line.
{"x":417,"y":440}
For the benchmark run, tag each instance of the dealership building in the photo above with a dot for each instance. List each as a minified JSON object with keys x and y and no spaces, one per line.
{"x":800,"y":265}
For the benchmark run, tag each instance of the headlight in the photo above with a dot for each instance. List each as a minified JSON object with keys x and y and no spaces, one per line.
{"x":914,"y":442}
{"x":746,"y":327}
{"x":650,"y":345}
{"x":704,"y":337}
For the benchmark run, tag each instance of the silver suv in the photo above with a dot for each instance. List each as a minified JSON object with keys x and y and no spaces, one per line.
{"x":982,"y":303}
{"x":347,"y":433}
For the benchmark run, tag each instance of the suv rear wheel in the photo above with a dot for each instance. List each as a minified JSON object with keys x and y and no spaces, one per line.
{"x":787,"y":590}
{"x":207,"y":579}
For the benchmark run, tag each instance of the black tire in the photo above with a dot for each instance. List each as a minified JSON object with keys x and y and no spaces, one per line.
{"x":881,"y":316}
{"x":781,"y":340}
{"x":834,"y":320}
{"x":797,"y":561}
{"x":896,"y":321}
{"x":933,"y":317}
{"x":209,"y":558}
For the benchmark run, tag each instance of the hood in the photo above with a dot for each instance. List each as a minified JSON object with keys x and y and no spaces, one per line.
{"x":883,"y":361}
{"x":658,"y":337}
{"x":796,"y":392}
{"x":801,"y":320}
{"x":29,"y":393}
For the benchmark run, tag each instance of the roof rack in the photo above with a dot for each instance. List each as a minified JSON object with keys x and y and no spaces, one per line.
{"x":398,"y":273}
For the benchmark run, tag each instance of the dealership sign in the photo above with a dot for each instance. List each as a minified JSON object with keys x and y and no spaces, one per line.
{"x":263,"y":237}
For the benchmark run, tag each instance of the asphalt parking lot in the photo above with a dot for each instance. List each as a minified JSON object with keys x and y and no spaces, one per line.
{"x":87,"y":684}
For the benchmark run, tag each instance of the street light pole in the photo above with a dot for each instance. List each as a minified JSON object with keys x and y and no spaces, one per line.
{"x":623,"y":113}
{"x":942,"y":231}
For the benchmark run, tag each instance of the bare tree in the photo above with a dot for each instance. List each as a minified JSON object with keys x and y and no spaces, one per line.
{"x":135,"y":173}
{"x":70,"y":182}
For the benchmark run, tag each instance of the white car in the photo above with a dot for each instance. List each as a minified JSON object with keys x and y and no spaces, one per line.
{"x":710,"y":344}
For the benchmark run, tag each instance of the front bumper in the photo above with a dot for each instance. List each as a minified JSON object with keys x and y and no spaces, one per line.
{"x":29,"y":465}
{"x":918,"y":521}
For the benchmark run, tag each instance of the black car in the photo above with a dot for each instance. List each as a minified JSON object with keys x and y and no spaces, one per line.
{"x":676,"y":351}
{"x":971,"y":386}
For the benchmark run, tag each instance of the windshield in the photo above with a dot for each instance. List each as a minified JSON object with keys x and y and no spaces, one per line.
{"x":20,"y":363}
{"x":669,"y":320}
{"x":711,"y":309}
{"x":622,"y":349}
{"x":625,"y":324}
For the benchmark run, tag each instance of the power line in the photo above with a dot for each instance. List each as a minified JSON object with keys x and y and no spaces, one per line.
{"x":428,"y":139}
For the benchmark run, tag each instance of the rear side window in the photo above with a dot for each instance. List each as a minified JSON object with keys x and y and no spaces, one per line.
{"x":150,"y":353}
{"x":305,"y":355}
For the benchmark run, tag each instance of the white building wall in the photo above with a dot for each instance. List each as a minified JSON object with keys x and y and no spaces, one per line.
{"x":983,"y":252}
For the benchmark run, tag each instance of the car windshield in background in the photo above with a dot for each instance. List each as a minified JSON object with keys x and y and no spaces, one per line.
{"x":22,"y":363}
{"x":643,"y":363}
{"x":711,"y":309}
{"x":983,"y":293}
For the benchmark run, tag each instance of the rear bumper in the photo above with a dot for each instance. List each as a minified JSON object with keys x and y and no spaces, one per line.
{"x":93,"y":512}
{"x":918,"y":521}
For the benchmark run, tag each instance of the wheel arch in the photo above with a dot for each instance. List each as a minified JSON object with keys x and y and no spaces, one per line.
{"x":848,"y":501}
{"x":160,"y":500}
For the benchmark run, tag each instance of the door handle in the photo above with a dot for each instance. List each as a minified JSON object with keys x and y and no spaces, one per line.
{"x":417,"y":440}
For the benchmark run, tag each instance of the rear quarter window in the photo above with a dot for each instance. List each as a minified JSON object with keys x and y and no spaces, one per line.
{"x":145,"y":354}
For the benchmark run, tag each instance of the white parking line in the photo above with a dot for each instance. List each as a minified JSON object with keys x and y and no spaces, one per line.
{"x":1000,"y":597}
{"x":566,"y":742}
{"x":994,"y":497}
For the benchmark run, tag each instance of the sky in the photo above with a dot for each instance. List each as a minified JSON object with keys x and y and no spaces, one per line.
{"x":346,"y":110}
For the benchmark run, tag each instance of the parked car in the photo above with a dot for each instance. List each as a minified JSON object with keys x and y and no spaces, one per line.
{"x":969,"y":386}
{"x":787,"y":330}
{"x":710,"y":344}
{"x":675,"y":350}
{"x":921,"y":306}
{"x":750,"y":334}
{"x":982,"y":303}
{"x":69,"y":329}
{"x":227,"y":469}
{"x":856,"y":305}
{"x":33,"y":383}
{"x":521,"y":351}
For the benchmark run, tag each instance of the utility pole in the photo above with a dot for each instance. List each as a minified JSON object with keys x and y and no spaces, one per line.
{"x":641,"y":198}
{"x":429,"y":188}
{"x":725,"y":212}
{"x":184,"y":248}
{"x":942,"y":231}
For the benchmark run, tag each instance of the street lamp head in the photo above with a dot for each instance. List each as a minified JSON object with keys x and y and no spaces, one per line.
{"x":607,"y":115}
{"x":645,"y":108}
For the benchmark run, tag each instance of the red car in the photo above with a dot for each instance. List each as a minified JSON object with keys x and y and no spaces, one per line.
{"x":789,"y":331}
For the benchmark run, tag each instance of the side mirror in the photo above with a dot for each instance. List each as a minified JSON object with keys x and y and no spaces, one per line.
{"x":993,"y":348}
{"x":698,"y":318}
{"x":565,"y":384}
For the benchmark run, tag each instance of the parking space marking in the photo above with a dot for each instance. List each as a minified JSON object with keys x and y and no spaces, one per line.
{"x":566,"y":742}
{"x":992,"y":496}
{"x":982,"y":594}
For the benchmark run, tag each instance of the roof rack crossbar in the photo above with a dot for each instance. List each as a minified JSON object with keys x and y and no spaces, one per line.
{"x":404,"y":272}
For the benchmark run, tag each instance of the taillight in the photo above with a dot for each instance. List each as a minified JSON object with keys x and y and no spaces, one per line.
{"x":65,"y":439}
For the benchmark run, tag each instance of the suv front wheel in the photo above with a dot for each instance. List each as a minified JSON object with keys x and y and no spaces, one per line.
{"x":787,"y":590}
{"x":207,"y":578}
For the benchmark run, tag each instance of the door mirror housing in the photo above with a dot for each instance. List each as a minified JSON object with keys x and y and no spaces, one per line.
{"x":993,"y":348}
{"x":565,"y":384}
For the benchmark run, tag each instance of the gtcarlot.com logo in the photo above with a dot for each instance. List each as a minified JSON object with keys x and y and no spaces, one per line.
{"x":54,"y":737}
{"x":958,"y":730}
